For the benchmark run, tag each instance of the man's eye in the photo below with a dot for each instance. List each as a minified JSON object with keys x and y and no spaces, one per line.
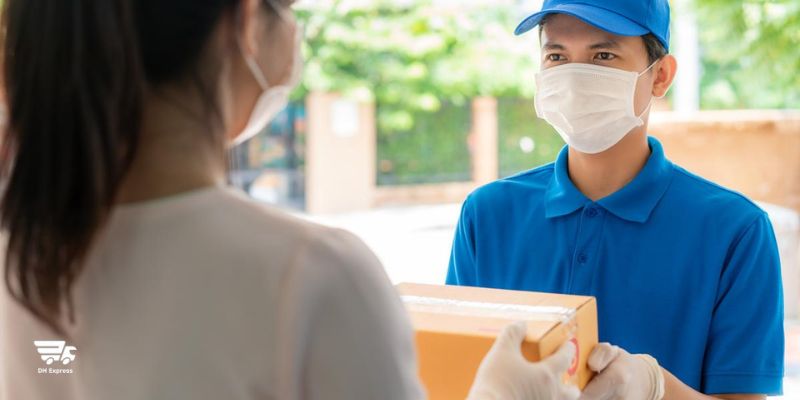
{"x":605,"y":56}
{"x":554,"y":57}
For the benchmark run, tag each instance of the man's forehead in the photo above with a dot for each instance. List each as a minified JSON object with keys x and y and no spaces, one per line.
{"x":561,"y":28}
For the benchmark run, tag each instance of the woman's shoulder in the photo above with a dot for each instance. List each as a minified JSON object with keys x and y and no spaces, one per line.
{"x":237,"y":218}
{"x":222,"y":228}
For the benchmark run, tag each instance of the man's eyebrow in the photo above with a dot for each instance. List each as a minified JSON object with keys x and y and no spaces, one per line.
{"x":552,"y":46}
{"x":608,"y":44}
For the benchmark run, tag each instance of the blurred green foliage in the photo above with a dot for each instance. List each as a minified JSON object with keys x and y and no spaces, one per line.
{"x":412,"y":55}
{"x":524,"y":141}
{"x":750,"y":53}
{"x":433,"y":150}
{"x":421,"y":61}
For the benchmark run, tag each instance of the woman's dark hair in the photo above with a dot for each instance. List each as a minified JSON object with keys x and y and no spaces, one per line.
{"x":75,"y":73}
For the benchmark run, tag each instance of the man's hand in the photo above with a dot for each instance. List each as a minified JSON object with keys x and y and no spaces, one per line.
{"x":623,"y":376}
{"x":505,"y":374}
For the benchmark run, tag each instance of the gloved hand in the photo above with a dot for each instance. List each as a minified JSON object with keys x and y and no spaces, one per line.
{"x":623,"y":376}
{"x":505,"y":374}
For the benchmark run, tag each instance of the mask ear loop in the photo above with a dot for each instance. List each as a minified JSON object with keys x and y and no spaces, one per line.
{"x":252,"y":65}
{"x":648,"y":68}
{"x":282,"y":11}
{"x":255,"y":69}
{"x":649,"y":104}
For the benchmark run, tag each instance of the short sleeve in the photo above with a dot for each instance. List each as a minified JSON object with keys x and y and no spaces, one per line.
{"x":746,"y":340}
{"x":354,"y":339}
{"x":462,"y":268}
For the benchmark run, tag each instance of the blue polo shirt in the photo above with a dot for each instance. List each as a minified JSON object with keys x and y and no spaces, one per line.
{"x":682,"y":269}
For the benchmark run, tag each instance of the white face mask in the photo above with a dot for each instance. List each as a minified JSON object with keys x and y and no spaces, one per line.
{"x":273,"y":99}
{"x":590,"y":106}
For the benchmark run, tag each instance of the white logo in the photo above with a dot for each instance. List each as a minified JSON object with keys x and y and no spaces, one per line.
{"x":52,"y":351}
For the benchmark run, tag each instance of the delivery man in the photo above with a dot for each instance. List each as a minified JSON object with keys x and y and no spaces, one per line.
{"x":686,"y":273}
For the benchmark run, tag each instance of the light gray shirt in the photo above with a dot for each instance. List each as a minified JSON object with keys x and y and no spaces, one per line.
{"x":208,"y":295}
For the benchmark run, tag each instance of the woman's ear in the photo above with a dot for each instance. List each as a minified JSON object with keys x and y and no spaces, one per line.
{"x":247,"y":26}
{"x":664,"y":75}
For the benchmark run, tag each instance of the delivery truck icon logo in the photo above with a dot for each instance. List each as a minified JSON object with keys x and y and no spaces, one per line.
{"x":55,"y":351}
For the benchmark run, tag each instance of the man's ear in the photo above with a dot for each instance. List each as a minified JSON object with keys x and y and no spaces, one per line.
{"x":664,"y":70}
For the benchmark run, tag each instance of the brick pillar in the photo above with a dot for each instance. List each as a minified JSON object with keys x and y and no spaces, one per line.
{"x":483,"y":140}
{"x":340,"y":154}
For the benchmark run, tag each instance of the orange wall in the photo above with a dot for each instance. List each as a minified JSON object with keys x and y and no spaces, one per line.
{"x":340,"y":166}
{"x":753,"y":152}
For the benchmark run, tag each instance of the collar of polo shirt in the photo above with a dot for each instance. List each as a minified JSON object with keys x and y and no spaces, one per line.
{"x":635,"y":202}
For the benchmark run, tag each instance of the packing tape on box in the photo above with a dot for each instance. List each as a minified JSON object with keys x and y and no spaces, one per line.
{"x":515,"y":312}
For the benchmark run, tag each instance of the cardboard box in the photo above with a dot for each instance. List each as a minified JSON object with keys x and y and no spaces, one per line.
{"x":456,"y":326}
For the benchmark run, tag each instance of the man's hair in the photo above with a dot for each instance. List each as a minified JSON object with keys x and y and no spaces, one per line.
{"x":655,"y":50}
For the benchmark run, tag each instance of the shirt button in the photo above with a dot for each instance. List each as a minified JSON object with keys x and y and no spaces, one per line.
{"x":582,"y":258}
{"x":592,"y":212}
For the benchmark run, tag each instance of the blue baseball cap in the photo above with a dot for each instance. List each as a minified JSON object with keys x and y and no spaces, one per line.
{"x":620,"y":17}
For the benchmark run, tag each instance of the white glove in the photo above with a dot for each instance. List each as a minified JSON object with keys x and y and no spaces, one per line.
{"x":505,"y":374}
{"x":623,"y":375}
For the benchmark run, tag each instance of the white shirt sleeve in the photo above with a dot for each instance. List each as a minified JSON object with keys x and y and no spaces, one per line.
{"x":345,"y":332}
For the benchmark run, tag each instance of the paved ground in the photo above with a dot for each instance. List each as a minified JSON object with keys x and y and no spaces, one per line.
{"x":414,"y":245}
{"x":412,"y":242}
